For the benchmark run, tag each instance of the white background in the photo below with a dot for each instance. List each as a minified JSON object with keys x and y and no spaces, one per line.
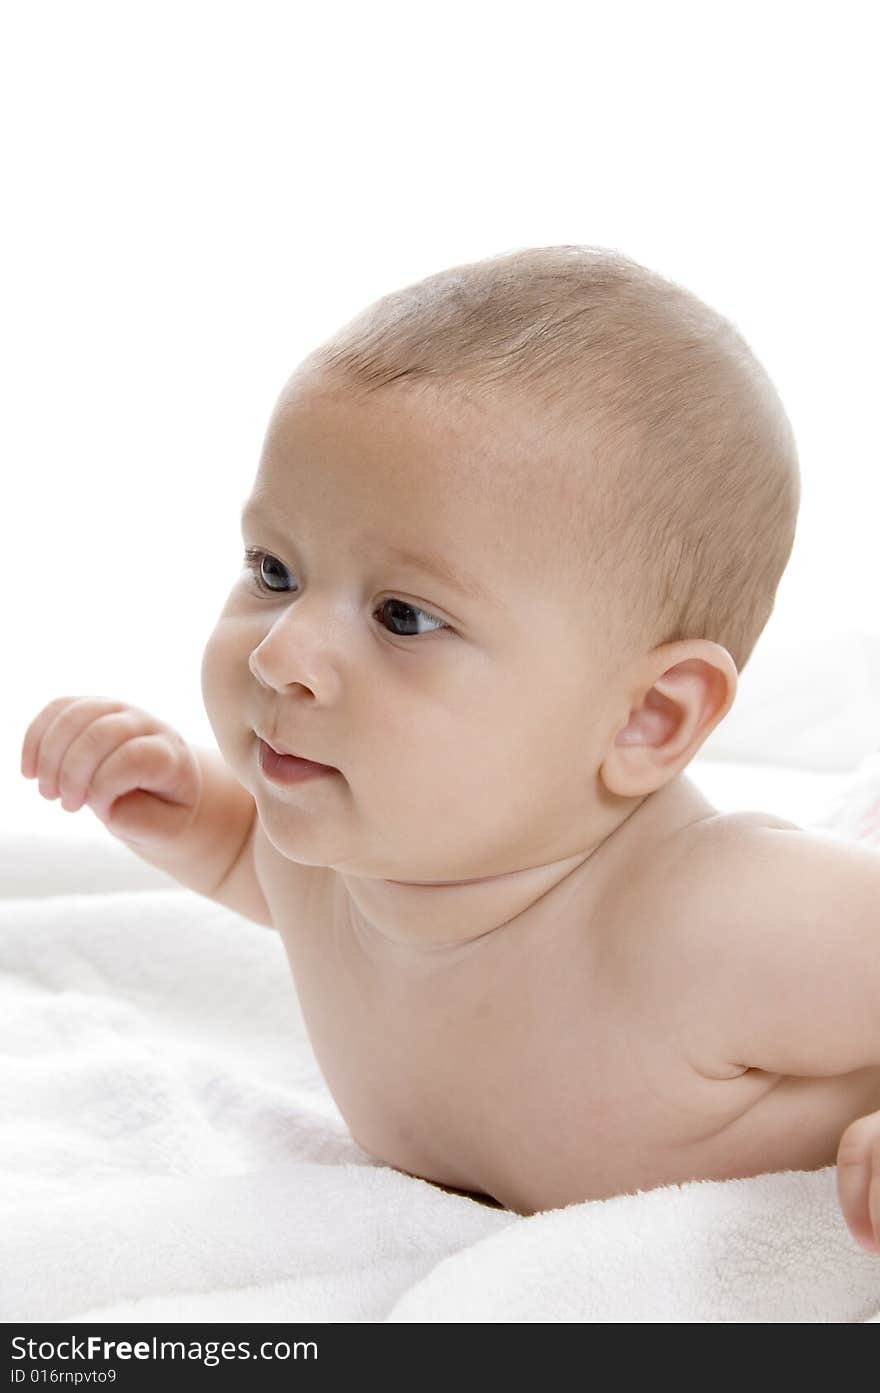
{"x":196,"y":194}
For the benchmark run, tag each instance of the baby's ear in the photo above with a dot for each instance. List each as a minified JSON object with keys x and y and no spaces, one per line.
{"x":689,"y":687}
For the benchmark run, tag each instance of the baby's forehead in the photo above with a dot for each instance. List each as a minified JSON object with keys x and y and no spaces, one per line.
{"x":504,"y":431}
{"x":494,"y":477}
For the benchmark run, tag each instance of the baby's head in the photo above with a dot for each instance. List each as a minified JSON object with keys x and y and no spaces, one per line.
{"x":514,"y":531}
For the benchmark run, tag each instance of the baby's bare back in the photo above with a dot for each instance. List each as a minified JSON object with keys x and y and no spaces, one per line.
{"x":562,"y":1058}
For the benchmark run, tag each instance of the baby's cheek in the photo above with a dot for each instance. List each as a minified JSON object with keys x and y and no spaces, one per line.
{"x":211,"y":660}
{"x":224,"y":678}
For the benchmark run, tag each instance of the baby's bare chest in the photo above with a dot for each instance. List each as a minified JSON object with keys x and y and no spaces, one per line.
{"x":525,"y":1078}
{"x":516,"y":1073}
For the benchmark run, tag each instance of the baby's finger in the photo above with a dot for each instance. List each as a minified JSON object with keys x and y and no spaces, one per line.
{"x":858,"y":1182}
{"x":30,"y":746}
{"x":147,"y":768}
{"x":64,"y":726}
{"x":90,"y":747}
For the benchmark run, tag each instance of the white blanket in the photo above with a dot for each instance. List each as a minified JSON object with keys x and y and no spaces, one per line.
{"x":169,"y":1152}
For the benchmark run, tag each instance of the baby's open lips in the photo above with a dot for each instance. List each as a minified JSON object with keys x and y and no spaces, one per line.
{"x":477,"y":880}
{"x":293,"y":754}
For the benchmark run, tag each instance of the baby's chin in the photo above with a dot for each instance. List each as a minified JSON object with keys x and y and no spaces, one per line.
{"x":295,"y":836}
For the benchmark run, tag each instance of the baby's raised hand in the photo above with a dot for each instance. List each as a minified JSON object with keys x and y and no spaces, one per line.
{"x":139,"y":777}
{"x":858,"y":1180}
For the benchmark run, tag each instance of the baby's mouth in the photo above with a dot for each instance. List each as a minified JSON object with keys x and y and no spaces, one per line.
{"x":478,"y":880}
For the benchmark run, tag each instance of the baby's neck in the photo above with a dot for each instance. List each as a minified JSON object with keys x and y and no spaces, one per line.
{"x":396,"y":921}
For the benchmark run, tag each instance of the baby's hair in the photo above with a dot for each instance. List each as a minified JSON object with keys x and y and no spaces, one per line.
{"x":686,"y":455}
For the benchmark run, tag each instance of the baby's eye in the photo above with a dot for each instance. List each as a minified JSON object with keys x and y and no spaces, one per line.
{"x":254,"y":561}
{"x":397,"y":610}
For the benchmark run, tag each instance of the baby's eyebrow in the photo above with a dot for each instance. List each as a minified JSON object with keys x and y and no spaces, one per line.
{"x":428,"y":562}
{"x":434,"y":565}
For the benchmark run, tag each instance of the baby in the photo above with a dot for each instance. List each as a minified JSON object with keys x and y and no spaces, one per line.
{"x":514,"y":532}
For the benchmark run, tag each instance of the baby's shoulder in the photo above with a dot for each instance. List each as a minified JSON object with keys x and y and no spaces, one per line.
{"x":708,"y":840}
{"x":668,"y":922}
{"x":767,"y":932}
{"x":696,"y":866}
{"x":668,"y":867}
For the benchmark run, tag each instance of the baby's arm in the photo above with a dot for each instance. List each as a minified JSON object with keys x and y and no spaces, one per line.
{"x":788,"y":952}
{"x":782,"y":933}
{"x":215,"y":858}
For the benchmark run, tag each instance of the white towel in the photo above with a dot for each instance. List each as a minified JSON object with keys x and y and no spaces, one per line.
{"x":169,"y":1152}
